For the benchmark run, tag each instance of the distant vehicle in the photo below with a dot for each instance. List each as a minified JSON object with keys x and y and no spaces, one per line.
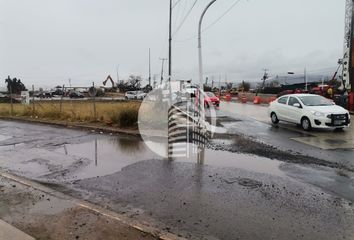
{"x":211,"y":100}
{"x":75,"y":94}
{"x":2,"y":95}
{"x":191,"y":89}
{"x":130,"y":95}
{"x":138,"y":95}
{"x":309,"y":111}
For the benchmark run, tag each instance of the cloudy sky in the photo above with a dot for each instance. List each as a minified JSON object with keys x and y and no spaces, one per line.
{"x":46,"y":42}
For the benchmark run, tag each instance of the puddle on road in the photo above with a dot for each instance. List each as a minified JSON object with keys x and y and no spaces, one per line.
{"x":4,"y":137}
{"x":107,"y":155}
{"x":110,"y":155}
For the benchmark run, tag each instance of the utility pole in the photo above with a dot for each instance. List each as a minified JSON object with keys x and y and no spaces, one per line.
{"x":170,"y":45}
{"x":305,"y":78}
{"x":154,"y":78}
{"x":163,"y":63}
{"x":118,"y":74}
{"x":149,"y":67}
{"x":264,"y":78}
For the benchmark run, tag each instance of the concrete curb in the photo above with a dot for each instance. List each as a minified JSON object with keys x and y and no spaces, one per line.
{"x":140,"y":226}
{"x":8,"y":231}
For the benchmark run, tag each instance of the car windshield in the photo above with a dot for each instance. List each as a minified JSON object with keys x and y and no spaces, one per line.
{"x":315,"y":101}
{"x":210,"y":94}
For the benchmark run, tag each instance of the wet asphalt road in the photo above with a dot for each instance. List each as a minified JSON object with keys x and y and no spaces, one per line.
{"x":256,"y":124}
{"x":231,"y":196}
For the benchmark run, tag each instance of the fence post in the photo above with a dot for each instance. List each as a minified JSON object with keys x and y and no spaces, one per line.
{"x":12,"y":107}
{"x":94,"y":101}
{"x":61,"y":99}
{"x":33,"y":106}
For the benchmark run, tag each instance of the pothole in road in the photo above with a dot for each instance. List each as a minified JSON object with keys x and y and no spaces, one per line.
{"x":109,"y":155}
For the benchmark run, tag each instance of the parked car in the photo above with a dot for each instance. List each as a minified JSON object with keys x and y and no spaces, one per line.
{"x":130,"y":95}
{"x":309,"y":111}
{"x":140,"y":95}
{"x":211,"y":100}
{"x":75,"y":94}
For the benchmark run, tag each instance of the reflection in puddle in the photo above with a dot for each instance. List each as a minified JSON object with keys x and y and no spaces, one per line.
{"x":109,"y":155}
{"x":4,"y":137}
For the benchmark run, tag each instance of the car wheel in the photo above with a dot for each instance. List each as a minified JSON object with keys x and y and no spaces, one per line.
{"x":306,"y":124}
{"x":274,"y":118}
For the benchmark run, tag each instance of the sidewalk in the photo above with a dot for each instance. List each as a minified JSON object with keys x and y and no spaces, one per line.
{"x":9,"y":232}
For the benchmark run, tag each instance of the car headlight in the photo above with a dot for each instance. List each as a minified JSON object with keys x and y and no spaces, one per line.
{"x":318,"y":114}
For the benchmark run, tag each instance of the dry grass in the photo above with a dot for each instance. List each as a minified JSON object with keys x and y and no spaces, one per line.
{"x":124,"y":114}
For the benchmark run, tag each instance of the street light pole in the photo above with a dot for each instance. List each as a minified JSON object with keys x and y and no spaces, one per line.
{"x":200,"y":95}
{"x":200,"y":43}
{"x":201,"y":98}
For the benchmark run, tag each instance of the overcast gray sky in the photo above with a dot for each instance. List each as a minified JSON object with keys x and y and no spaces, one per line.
{"x":46,"y":42}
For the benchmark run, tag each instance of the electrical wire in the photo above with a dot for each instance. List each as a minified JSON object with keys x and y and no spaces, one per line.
{"x":185,"y":18}
{"x":223,"y":15}
{"x":175,"y":4}
{"x":213,"y":23}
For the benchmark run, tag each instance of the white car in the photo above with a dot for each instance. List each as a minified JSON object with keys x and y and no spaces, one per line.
{"x":140,"y":95}
{"x":130,"y":95}
{"x":309,"y":111}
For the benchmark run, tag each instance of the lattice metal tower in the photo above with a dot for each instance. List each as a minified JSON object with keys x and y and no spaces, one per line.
{"x":348,"y":70}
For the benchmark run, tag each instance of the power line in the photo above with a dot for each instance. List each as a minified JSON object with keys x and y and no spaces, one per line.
{"x":175,"y":4}
{"x":213,"y":23}
{"x":223,"y":15}
{"x":185,"y":17}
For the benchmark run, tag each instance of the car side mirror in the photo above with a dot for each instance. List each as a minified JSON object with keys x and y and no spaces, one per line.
{"x":297,"y":105}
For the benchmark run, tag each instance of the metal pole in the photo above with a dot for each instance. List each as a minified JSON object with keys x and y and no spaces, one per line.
{"x":94,"y":101}
{"x":118,"y":74}
{"x":149,"y":67}
{"x":163,"y":63}
{"x":305,"y":76}
{"x":170,"y":45}
{"x":12,"y":107}
{"x":61,"y":99}
{"x":33,"y":106}
{"x":200,"y":56}
{"x":201,"y":97}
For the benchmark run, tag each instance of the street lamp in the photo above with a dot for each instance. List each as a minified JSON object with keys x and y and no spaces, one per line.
{"x":201,"y":97}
